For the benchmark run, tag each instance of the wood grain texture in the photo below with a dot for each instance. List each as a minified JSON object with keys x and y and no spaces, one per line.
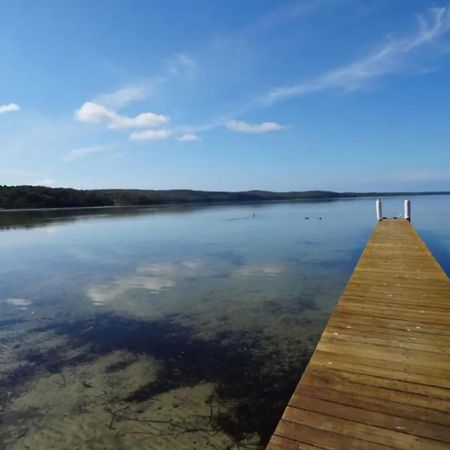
{"x":380,"y":375}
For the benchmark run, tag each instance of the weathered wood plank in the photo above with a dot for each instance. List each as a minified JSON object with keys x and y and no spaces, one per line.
{"x":380,"y":375}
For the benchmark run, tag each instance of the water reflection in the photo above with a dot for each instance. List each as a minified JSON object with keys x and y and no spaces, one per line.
{"x":258,"y":270}
{"x":17,"y":301}
{"x":152,"y":277}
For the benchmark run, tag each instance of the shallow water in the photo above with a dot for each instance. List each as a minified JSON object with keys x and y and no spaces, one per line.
{"x":176,"y":327}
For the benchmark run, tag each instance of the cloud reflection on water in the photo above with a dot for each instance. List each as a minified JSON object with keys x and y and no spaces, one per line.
{"x":17,"y":301}
{"x":252,"y":270}
{"x":152,"y":277}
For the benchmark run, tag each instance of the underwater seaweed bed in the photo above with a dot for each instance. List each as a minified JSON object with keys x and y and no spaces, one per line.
{"x":253,"y":384}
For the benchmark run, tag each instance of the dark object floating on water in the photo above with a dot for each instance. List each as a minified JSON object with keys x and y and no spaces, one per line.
{"x":306,"y":218}
{"x":241,"y":218}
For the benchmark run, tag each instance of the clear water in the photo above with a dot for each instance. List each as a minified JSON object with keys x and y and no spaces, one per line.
{"x":180,"y":327}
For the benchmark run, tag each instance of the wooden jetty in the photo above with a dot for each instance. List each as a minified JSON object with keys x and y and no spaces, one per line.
{"x":380,"y":375}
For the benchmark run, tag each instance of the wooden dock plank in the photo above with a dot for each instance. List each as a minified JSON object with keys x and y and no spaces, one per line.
{"x":376,"y":404}
{"x":380,"y":375}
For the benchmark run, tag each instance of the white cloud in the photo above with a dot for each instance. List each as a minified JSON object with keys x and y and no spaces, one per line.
{"x":390,"y":59}
{"x":104,"y":109}
{"x":150,"y":135}
{"x":11,"y":107}
{"x":143,"y":120}
{"x":78,"y":153}
{"x":188,"y":137}
{"x":124,"y":96}
{"x":91,"y":112}
{"x":182,"y":64}
{"x":245,"y":127}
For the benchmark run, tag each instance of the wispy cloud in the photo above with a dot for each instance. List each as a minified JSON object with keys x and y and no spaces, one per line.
{"x":124,"y":96}
{"x":91,"y":112}
{"x":255,"y":128}
{"x":291,"y":12}
{"x":150,"y":135}
{"x":104,"y":108}
{"x":11,"y":107}
{"x":390,"y":59}
{"x":182,"y":64}
{"x":79,"y":153}
{"x":188,"y":137}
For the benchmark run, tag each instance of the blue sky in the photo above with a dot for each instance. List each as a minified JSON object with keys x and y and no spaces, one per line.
{"x":279,"y":95}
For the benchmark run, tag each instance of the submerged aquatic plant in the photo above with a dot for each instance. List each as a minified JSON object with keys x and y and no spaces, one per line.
{"x":251,"y":381}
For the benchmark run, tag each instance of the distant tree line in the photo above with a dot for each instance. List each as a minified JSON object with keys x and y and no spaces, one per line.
{"x":46,"y":197}
{"x":12,"y":197}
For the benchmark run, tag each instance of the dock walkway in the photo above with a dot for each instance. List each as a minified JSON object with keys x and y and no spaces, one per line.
{"x":380,"y":375}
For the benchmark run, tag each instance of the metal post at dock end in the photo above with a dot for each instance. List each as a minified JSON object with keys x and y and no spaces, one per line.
{"x":379,"y":209}
{"x":407,"y":210}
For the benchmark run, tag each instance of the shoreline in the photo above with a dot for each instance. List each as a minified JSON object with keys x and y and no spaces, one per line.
{"x":174,"y":204}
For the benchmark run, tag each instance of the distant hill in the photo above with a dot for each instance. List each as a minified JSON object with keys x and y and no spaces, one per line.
{"x":12,"y":197}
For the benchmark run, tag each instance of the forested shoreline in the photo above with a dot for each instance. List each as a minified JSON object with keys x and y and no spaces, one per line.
{"x":21,"y":197}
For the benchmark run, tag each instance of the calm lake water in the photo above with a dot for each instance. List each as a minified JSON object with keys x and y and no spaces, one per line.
{"x":172,"y":328}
